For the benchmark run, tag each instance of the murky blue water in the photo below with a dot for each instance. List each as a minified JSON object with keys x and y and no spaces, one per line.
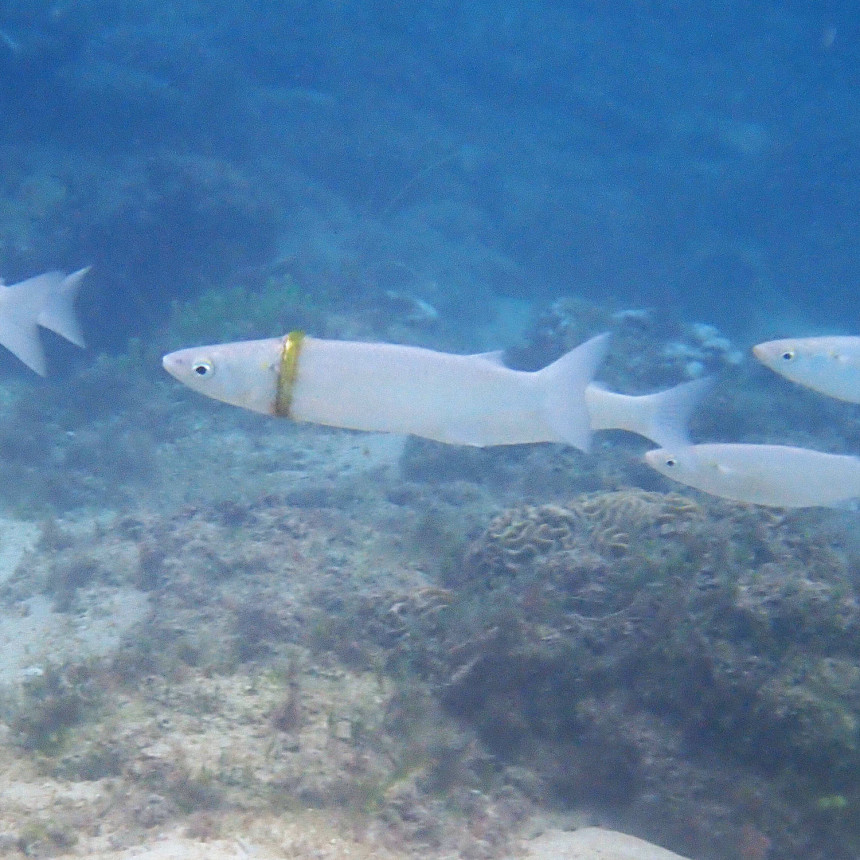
{"x":646,"y":153}
{"x":464,"y":176}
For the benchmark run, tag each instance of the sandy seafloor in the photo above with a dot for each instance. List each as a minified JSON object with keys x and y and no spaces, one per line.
{"x":191,"y":762}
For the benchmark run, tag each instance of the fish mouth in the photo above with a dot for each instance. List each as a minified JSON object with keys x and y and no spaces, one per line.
{"x":759,"y":352}
{"x":653,"y":456}
{"x":170,"y":363}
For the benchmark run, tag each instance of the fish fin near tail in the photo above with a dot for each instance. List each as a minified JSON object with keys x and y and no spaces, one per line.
{"x":58,"y":312}
{"x":20,"y":306}
{"x":23,"y":341}
{"x":668,"y":412}
{"x":567,"y":378}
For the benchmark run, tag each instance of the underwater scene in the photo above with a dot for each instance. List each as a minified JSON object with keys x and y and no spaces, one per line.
{"x":430,"y":430}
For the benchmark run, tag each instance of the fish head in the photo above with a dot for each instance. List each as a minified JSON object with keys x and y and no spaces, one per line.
{"x":829,"y":364}
{"x":678,"y":463}
{"x":780,"y":355}
{"x":804,"y":358}
{"x":243,"y":374}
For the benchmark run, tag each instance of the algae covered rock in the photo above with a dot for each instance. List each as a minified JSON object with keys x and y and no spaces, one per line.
{"x":618,"y":641}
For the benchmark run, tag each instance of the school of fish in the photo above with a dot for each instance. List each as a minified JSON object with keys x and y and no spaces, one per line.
{"x":477,"y":400}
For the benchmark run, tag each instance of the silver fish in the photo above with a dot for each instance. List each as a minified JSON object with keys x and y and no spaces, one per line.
{"x":829,"y":365}
{"x":776,"y":475}
{"x":457,"y":399}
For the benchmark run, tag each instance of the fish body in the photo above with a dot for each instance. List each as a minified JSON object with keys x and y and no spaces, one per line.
{"x":829,"y":365}
{"x":45,"y":300}
{"x":456,"y":399}
{"x":775,"y":475}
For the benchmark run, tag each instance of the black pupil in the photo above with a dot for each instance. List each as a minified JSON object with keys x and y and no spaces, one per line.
{"x":670,"y":462}
{"x":201,"y":370}
{"x":787,"y":356}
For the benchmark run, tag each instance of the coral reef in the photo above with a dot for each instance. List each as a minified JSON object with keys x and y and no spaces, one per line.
{"x":227,"y":621}
{"x":623,"y":628}
{"x":649,"y":349}
{"x":681,"y":669}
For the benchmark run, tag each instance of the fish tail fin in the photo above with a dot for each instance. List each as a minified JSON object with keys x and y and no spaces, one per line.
{"x":666,"y":414}
{"x":566,"y":379}
{"x":20,"y":306}
{"x":58,"y":312}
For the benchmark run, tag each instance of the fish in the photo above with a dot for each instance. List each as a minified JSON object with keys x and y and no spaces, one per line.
{"x":45,"y":300}
{"x":456,"y":399}
{"x":828,"y":365}
{"x":779,"y":476}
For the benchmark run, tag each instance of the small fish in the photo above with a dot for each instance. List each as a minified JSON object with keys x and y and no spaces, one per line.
{"x":45,"y":300}
{"x":777,"y":475}
{"x":829,"y":365}
{"x":456,"y":399}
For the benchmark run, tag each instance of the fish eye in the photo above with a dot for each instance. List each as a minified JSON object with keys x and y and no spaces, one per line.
{"x":788,"y":355}
{"x":202,"y":368}
{"x":670,"y":461}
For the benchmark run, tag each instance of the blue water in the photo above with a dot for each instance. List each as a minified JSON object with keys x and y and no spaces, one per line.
{"x":697,"y":157}
{"x":464,"y":176}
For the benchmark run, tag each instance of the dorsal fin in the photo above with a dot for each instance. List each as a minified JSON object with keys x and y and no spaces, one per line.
{"x":20,"y":306}
{"x":567,"y":378}
{"x":495,"y":356}
{"x":58,"y":312}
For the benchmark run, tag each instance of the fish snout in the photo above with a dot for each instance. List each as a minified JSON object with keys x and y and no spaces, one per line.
{"x":768,"y":352}
{"x":653,"y":457}
{"x":172,"y":363}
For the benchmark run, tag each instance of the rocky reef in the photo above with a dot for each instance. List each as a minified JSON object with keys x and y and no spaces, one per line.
{"x":681,"y":669}
{"x":689,"y":665}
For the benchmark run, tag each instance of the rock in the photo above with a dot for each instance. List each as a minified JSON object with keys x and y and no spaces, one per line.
{"x":594,"y":843}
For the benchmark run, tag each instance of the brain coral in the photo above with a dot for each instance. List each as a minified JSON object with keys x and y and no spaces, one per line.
{"x":609,"y":524}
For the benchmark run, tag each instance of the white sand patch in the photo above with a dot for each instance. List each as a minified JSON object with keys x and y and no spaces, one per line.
{"x":307,"y":836}
{"x":594,"y":843}
{"x":177,"y":848}
{"x":32,"y":634}
{"x":16,"y":538}
{"x":24,"y":630}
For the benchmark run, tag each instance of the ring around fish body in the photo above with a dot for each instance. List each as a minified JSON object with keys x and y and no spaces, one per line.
{"x":455,"y":399}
